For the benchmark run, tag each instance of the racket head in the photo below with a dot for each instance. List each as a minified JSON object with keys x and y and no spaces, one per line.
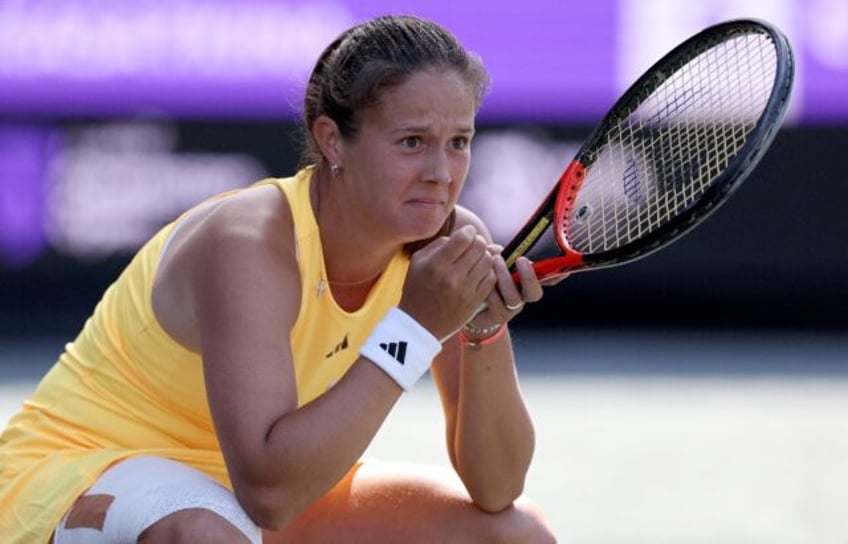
{"x":669,"y":152}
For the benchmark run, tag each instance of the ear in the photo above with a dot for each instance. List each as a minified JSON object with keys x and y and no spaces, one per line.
{"x":327,"y":136}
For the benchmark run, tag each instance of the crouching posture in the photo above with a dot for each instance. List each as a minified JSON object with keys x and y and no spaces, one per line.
{"x":229,"y":381}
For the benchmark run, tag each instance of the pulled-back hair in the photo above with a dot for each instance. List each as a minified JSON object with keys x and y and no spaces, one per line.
{"x":365,"y":60}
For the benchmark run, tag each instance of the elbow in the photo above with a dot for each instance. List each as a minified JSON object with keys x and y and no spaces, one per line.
{"x":492,"y":494}
{"x":491,"y":506}
{"x":270,"y":509}
{"x":493,"y":501}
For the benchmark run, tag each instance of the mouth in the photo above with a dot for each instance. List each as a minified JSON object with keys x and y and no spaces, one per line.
{"x":426,"y":202}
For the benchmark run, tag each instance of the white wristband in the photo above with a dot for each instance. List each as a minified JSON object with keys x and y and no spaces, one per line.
{"x":401,"y":347}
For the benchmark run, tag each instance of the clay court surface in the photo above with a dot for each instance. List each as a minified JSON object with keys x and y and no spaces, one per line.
{"x":647,"y":437}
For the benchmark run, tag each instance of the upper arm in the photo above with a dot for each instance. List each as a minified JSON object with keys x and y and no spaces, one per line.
{"x":245,"y":293}
{"x":464,"y":216}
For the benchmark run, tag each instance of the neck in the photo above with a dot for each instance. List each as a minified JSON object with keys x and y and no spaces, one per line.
{"x":349,"y":259}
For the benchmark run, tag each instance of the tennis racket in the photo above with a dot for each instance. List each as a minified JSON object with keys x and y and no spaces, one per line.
{"x":671,"y":150}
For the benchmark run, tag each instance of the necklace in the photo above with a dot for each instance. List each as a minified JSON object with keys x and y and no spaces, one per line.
{"x":323,"y":283}
{"x":354,"y":283}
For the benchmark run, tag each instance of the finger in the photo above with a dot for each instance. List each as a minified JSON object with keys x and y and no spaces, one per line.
{"x":459,"y":242}
{"x":475,"y":253}
{"x":531,"y":289}
{"x":450,"y":246}
{"x":510,"y":295}
{"x":481,"y":273}
{"x":486,"y":285}
{"x":432,"y":247}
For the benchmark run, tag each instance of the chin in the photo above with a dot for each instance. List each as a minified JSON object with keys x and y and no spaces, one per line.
{"x":443,"y":228}
{"x":423,"y":222}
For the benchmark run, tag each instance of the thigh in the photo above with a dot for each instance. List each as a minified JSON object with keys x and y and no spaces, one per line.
{"x":137,"y":493}
{"x":399,"y":502}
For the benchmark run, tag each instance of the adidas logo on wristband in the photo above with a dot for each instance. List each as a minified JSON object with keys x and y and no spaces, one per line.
{"x":396,"y":350}
{"x":415,"y":352}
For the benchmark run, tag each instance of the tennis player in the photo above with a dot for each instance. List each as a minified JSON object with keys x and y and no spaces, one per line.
{"x":229,"y":381}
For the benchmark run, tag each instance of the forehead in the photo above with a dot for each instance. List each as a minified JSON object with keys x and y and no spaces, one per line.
{"x":425,"y":97}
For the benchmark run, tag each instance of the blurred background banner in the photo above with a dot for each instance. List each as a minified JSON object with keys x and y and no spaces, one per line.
{"x":116,"y":116}
{"x":551,"y":60}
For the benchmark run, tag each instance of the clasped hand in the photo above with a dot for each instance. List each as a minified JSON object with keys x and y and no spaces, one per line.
{"x":452,"y":278}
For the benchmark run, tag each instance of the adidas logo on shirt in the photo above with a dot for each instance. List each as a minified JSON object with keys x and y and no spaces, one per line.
{"x":396,"y":349}
{"x":339,"y":347}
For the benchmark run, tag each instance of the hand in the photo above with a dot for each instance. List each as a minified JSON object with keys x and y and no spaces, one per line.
{"x":448,"y":280}
{"x":508,"y":299}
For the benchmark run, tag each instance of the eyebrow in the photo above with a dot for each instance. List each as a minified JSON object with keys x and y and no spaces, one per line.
{"x":425,"y":128}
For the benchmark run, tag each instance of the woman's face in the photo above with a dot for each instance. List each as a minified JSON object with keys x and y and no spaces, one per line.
{"x":406,"y":166}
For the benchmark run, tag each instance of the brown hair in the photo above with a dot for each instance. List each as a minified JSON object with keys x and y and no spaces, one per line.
{"x":365,"y":60}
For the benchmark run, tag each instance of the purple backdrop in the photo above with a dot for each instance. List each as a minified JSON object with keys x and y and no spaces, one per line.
{"x":552,"y":60}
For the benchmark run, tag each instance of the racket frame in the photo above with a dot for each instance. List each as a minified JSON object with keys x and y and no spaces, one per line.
{"x":557,"y":204}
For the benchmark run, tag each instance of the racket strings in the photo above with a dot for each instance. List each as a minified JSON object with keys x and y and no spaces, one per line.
{"x":662,"y":157}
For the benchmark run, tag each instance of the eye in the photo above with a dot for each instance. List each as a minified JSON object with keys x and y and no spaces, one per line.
{"x":460,"y":143}
{"x":411,"y":142}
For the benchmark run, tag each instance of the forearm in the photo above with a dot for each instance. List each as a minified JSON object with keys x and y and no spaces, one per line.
{"x":320,"y":442}
{"x":307,"y":451}
{"x":494,"y":439}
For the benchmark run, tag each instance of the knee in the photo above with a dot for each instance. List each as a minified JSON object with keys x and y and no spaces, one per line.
{"x":522,"y":523}
{"x":193,"y":525}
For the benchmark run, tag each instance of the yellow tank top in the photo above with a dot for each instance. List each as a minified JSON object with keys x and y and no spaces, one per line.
{"x":124,"y":387}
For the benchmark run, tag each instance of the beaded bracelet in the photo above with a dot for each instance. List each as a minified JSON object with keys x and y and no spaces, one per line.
{"x":489,"y":335}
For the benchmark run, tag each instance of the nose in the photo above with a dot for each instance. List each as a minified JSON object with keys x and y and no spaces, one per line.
{"x":439,"y":167}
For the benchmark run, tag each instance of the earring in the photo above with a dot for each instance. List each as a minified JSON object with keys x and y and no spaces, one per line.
{"x":335,"y":169}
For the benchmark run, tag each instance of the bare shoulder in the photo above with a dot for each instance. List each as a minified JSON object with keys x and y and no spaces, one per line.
{"x":464,"y":217}
{"x":259,"y":216}
{"x":253,"y":221}
{"x":238,"y":245}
